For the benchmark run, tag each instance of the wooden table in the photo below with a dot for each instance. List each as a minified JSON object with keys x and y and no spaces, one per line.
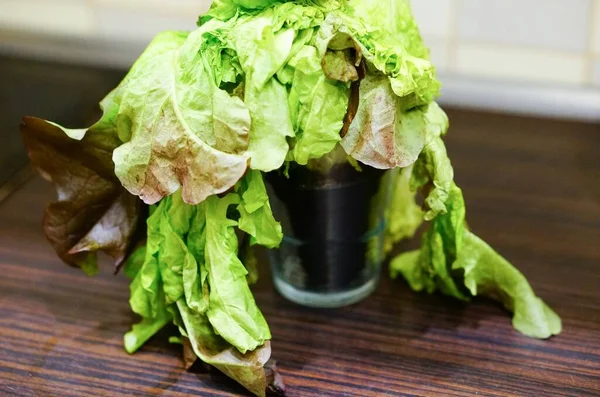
{"x":533,"y":191}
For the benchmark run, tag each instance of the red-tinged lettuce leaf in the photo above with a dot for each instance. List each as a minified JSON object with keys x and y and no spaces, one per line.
{"x":180,"y":130}
{"x":276,"y":386}
{"x":248,"y":369}
{"x":93,"y":212}
{"x":189,"y":356}
{"x":382,"y":135}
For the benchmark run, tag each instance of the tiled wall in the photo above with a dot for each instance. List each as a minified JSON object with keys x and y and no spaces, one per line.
{"x":548,"y":42}
{"x":542,"y":41}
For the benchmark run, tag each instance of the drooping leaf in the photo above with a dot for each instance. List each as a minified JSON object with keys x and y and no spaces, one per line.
{"x":177,"y":233}
{"x":191,"y":260}
{"x":433,"y":170}
{"x":459,"y":264}
{"x":93,"y":212}
{"x":245,"y":368}
{"x":403,"y":215}
{"x":147,"y":297}
{"x":256,"y":217}
{"x":195,"y":275}
{"x":488,"y":274}
{"x":141,"y":332}
{"x":249,"y":258}
{"x":172,"y":258}
{"x":319,"y":106}
{"x":233,"y":312}
{"x":263,"y":50}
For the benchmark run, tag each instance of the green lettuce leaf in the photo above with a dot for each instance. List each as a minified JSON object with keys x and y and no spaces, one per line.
{"x":233,"y":312}
{"x":433,"y":170}
{"x":395,"y":17}
{"x":245,"y":368}
{"x":488,"y":274}
{"x":262,"y":51}
{"x":318,"y":104}
{"x":249,"y":258}
{"x":403,"y":215}
{"x":141,"y":332}
{"x":256,"y":217}
{"x":195,"y":274}
{"x":202,"y":269}
{"x":189,"y":274}
{"x":277,"y":39}
{"x":457,"y":263}
{"x":147,"y":297}
{"x":438,"y":251}
{"x":222,"y":10}
{"x":266,"y":44}
{"x":405,"y":63}
{"x":135,"y":262}
{"x":146,"y":292}
{"x":174,"y":254}
{"x":452,"y":259}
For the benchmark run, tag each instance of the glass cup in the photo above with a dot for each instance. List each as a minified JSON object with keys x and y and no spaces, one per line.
{"x":333,"y":221}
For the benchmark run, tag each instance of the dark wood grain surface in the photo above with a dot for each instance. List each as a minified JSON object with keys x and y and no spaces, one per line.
{"x":533,"y":192}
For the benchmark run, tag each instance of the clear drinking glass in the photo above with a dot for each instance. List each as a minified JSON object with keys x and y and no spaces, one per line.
{"x":333,"y":221}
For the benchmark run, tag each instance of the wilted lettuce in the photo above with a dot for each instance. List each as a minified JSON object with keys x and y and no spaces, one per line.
{"x":190,"y":273}
{"x":256,"y":217}
{"x":93,"y":212}
{"x":452,"y":259}
{"x":200,"y":117}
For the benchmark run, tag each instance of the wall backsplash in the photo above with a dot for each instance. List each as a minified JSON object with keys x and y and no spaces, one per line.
{"x":549,"y":43}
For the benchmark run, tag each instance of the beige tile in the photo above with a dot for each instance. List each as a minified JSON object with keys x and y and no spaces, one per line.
{"x":521,"y":64}
{"x":596,"y":28}
{"x":433,"y":16}
{"x":438,"y":48}
{"x":596,"y":72}
{"x":47,"y":16}
{"x":136,"y":25}
{"x":189,"y":8}
{"x":548,"y":24}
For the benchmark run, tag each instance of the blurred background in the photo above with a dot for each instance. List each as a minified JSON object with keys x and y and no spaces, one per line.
{"x":532,"y":56}
{"x":535,"y":57}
